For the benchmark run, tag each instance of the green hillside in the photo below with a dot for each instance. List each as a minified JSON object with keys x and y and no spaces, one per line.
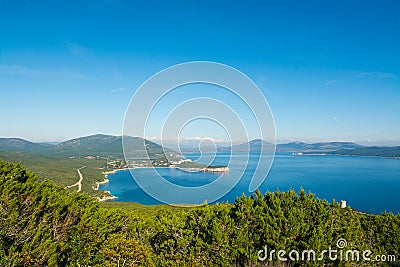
{"x":63,"y":171}
{"x":257,"y":144}
{"x":316,"y":147}
{"x":45,"y":225}
{"x":93,"y":155}
{"x":391,"y":152}
{"x":107,"y":145}
{"x":21,"y":145}
{"x":98,"y":145}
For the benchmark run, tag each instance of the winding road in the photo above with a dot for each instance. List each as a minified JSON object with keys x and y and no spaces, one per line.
{"x":79,"y":183}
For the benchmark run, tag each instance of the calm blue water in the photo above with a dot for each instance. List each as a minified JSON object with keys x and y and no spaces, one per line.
{"x":367,"y":184}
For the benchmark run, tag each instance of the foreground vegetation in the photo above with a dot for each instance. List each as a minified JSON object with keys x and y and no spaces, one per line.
{"x":45,"y":225}
{"x":62,"y":171}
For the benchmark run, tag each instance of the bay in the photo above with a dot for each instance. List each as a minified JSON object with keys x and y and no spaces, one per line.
{"x":367,"y":184}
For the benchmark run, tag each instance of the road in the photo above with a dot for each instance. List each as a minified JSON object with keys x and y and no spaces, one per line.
{"x":79,"y":183}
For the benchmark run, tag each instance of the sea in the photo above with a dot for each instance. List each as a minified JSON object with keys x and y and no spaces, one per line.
{"x":368,"y":184}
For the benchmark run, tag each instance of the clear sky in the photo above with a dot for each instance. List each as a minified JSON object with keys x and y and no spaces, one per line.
{"x":329,"y":69}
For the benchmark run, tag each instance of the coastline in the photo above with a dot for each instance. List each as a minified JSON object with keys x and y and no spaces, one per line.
{"x":367,"y":156}
{"x":111,"y":197}
{"x":350,"y":155}
{"x":105,"y":181}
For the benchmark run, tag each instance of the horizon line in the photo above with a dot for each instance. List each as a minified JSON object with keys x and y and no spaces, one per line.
{"x":279,"y":141}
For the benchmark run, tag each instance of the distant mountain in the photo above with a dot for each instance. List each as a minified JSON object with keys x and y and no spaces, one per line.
{"x":315,"y":147}
{"x":375,"y":151}
{"x":192,"y":145}
{"x":21,"y":145}
{"x":97,"y":145}
{"x":255,"y":145}
{"x":94,"y":145}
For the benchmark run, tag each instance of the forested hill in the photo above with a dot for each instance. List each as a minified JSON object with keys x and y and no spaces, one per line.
{"x":93,"y":155}
{"x":375,"y":151}
{"x":316,"y":147}
{"x":109,"y":145}
{"x":45,"y":225}
{"x":95,"y":145}
{"x":336,"y":148}
{"x":21,"y":145}
{"x":258,"y":145}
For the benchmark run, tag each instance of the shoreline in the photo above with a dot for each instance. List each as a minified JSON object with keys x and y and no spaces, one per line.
{"x":105,"y":181}
{"x":349,"y":155}
{"x":111,"y":197}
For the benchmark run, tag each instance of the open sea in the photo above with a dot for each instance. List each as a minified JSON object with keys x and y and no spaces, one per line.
{"x":367,"y":184}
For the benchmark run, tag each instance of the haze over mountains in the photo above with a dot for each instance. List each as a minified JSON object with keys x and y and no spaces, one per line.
{"x":108,"y":145}
{"x":258,"y":144}
{"x":334,"y":148}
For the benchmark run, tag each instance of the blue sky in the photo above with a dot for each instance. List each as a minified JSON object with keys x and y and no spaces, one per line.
{"x":329,"y":69}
